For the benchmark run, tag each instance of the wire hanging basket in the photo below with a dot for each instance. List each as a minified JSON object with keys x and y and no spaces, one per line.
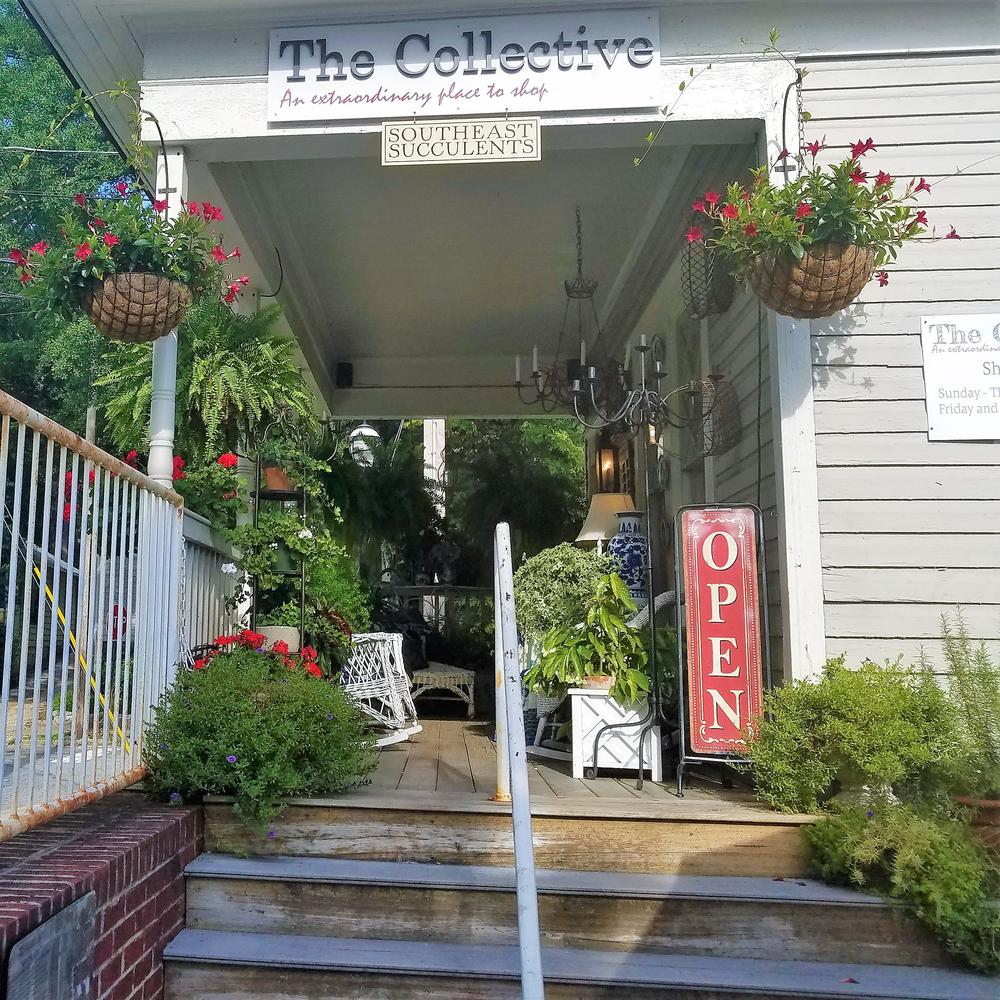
{"x":707,"y":285}
{"x":135,"y":307}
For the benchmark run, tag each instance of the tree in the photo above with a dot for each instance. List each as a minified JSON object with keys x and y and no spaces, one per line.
{"x":235,"y":374}
{"x":47,"y":363}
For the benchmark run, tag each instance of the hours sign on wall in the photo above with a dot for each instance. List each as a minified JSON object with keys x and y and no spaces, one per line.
{"x":722,"y":619}
{"x":485,"y":65}
{"x":962,"y":376}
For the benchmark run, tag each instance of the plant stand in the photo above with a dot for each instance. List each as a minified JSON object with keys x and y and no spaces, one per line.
{"x":618,"y":748}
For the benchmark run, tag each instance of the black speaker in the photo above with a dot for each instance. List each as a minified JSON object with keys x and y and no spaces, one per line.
{"x":345,"y":375}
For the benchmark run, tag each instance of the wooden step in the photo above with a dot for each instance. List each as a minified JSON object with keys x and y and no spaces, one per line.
{"x":677,"y":836}
{"x":739,"y":917}
{"x":221,"y":965}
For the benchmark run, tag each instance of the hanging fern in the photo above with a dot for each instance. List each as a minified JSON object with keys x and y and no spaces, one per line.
{"x":234,"y":375}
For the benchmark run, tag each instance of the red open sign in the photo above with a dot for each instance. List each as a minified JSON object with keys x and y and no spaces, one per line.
{"x":722,"y":615}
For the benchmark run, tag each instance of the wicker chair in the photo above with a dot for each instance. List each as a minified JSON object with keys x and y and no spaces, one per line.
{"x":375,"y":678}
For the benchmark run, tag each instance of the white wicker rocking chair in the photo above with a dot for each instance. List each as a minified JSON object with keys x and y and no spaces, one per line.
{"x":376,"y":680}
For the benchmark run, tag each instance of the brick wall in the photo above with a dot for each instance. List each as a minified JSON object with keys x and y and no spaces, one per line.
{"x":131,"y":853}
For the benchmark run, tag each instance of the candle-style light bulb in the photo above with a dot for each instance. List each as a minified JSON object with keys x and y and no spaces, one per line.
{"x":642,"y":341}
{"x":517,"y":369}
{"x":583,"y":352}
{"x":534,"y":360}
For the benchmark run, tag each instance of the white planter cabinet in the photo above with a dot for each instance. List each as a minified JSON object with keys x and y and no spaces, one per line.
{"x":618,"y":748}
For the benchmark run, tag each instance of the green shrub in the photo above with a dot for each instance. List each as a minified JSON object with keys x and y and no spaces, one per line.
{"x":552,"y":589}
{"x":883,"y":726}
{"x":932,"y":861}
{"x":258,"y":726}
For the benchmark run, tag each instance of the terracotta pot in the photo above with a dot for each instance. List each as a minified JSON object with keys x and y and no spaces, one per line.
{"x":275,"y":478}
{"x":828,"y":278}
{"x":985,"y":819}
{"x":598,"y":682}
{"x":281,"y":633}
{"x":134,"y":306}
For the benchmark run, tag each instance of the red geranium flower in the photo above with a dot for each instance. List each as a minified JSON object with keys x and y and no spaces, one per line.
{"x":67,"y":508}
{"x":730,"y":211}
{"x":110,"y":240}
{"x":280,"y":647}
{"x":227,"y":460}
{"x":226,"y":640}
{"x":309,"y":653}
{"x":83,"y":251}
{"x":40,"y":248}
{"x":693,"y":234}
{"x":314,"y":669}
{"x":201,"y":664}
{"x":803,"y":210}
{"x":750,"y":229}
{"x":883,"y":278}
{"x":712,"y":197}
{"x":922,"y":185}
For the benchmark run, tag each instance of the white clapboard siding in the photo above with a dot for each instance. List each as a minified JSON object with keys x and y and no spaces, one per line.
{"x":879,"y":650}
{"x":974,"y":482}
{"x":867,"y":382}
{"x":909,"y":516}
{"x":899,"y":449}
{"x":910,"y":528}
{"x":865,"y":549}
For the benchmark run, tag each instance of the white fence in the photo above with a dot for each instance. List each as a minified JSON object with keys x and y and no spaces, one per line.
{"x":89,"y":586}
{"x":209,"y":584}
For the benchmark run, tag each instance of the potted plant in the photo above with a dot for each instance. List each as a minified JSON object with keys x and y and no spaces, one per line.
{"x":603,"y":652}
{"x":807,"y":247}
{"x":132,"y":269}
{"x":287,"y":467}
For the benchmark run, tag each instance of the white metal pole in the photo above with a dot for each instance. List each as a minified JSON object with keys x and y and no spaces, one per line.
{"x":532,"y":987}
{"x":502,"y":793}
{"x":162,"y":410}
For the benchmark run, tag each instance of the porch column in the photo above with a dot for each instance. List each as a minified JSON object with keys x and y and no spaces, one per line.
{"x":434,"y":458}
{"x":171,"y":184}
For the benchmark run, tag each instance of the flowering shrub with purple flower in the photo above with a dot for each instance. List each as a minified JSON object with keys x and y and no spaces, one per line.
{"x":259,"y":725}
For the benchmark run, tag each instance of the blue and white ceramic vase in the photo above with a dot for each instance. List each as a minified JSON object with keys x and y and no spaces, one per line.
{"x":628,"y":552}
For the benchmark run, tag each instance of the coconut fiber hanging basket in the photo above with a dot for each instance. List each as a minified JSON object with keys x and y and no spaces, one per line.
{"x":135,"y":307}
{"x":828,"y":278}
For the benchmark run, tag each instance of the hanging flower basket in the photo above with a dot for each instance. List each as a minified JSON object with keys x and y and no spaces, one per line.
{"x":707,"y":284}
{"x":135,"y":307}
{"x":828,"y":278}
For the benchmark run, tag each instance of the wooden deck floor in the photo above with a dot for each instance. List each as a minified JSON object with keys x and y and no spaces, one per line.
{"x":454,"y":759}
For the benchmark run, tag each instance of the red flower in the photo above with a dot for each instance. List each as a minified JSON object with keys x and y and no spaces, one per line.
{"x":97,"y":223}
{"x":235,"y":253}
{"x":693,"y":234}
{"x":227,"y":460}
{"x":24,"y":277}
{"x":750,"y":229}
{"x":309,"y":653}
{"x":803,"y":210}
{"x":83,"y":251}
{"x":314,"y":670}
{"x":201,"y":664}
{"x":814,"y":147}
{"x":67,"y":508}
{"x":80,"y":199}
{"x":952,"y":235}
{"x":254,"y":639}
{"x":861,"y":147}
{"x":92,"y":476}
{"x":226,"y":640}
{"x":219,"y":254}
{"x":160,"y":205}
{"x":921,"y":219}
{"x":132,"y":458}
{"x":698,"y":206}
{"x":922,"y":185}
{"x":121,"y":187}
{"x":712,"y":197}
{"x":110,"y":240}
{"x":280,"y":647}
{"x":211,"y":212}
{"x":17,"y":257}
{"x":192,"y":208}
{"x":882,"y":178}
{"x":40,"y":247}
{"x":730,"y":211}
{"x":179,"y":464}
{"x":883,"y":278}
{"x":859,"y":176}
{"x":782,"y":155}
{"x":244,"y":279}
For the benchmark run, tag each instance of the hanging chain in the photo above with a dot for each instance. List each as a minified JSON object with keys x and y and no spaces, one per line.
{"x":579,"y":243}
{"x":798,"y":109}
{"x":183,"y":638}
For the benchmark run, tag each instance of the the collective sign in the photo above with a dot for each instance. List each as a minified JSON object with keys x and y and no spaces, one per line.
{"x":722,"y":609}
{"x":483,"y":65}
{"x":962,"y":376}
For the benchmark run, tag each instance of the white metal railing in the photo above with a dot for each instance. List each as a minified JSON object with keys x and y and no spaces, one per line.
{"x":89,"y":580}
{"x":208,"y":584}
{"x":512,"y":764}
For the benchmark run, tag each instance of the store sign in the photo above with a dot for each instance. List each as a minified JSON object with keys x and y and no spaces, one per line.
{"x":484,"y":65}
{"x":461,"y":140}
{"x":723,"y":615}
{"x":962,"y":377}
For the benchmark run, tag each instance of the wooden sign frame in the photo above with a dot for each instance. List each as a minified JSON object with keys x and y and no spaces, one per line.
{"x":756,"y":628}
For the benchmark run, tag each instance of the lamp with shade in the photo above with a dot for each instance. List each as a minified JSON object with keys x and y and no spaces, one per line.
{"x":602,"y":518}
